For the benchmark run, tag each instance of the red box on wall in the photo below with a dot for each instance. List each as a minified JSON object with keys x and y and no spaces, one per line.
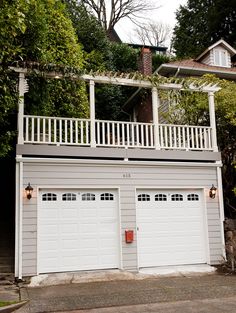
{"x":129,"y":236}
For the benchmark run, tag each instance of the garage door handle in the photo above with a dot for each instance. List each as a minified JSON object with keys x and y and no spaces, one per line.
{"x":137,"y":228}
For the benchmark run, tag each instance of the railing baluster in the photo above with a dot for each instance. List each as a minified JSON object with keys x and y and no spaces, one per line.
{"x":66,"y":129}
{"x":197,"y":137}
{"x":175,"y":140}
{"x":123,"y":133}
{"x":55,"y":130}
{"x":32,"y":130}
{"x":201,"y":146}
{"x":161,"y":136}
{"x":76,"y":132}
{"x":26,"y":129}
{"x":82,"y":125}
{"x":209,"y":137}
{"x":137,"y":135}
{"x":128,"y":135}
{"x":49,"y":130}
{"x":132,"y":135}
{"x":151,"y":135}
{"x":184,"y":137}
{"x":192,"y":138}
{"x":97,"y":123}
{"x":44,"y":130}
{"x":179,"y":138}
{"x":60,"y":130}
{"x":166,"y":137}
{"x":147,"y":135}
{"x":71,"y":131}
{"x":142,"y":136}
{"x":206,"y":146}
{"x":188,"y":138}
{"x":113,"y":133}
{"x":87,"y":132}
{"x":171,"y":136}
{"x":103,"y":133}
{"x":118,"y":134}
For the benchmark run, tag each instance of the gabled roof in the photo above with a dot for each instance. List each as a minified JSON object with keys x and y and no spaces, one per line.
{"x":220,"y":42}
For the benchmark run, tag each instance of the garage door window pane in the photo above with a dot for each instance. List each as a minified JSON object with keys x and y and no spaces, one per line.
{"x":143,"y":197}
{"x":107,"y":197}
{"x":49,"y":197}
{"x":88,"y":197}
{"x":177,"y":197}
{"x":160,"y":197}
{"x":69,"y":197}
{"x":193,"y":197}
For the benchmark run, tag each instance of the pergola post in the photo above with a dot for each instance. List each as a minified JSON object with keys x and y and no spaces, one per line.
{"x":20,"y":120}
{"x":92,"y":113}
{"x":155,"y":106}
{"x":212,"y":120}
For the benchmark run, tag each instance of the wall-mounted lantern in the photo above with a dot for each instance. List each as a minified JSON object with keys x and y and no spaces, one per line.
{"x":212,"y":192}
{"x":29,"y":190}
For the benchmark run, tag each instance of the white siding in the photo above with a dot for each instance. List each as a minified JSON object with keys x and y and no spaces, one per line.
{"x":208,"y":59}
{"x":127,"y":178}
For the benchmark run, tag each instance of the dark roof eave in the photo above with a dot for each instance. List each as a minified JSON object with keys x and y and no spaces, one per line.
{"x":168,"y":69}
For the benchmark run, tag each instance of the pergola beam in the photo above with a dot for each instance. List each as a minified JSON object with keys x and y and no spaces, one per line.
{"x":114,"y":79}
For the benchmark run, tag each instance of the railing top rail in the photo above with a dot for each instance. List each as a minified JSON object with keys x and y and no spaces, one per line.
{"x":124,"y":122}
{"x":57,"y":118}
{"x":186,"y":126}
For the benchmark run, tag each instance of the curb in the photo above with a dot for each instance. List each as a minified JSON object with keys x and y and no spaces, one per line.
{"x":12,"y":307}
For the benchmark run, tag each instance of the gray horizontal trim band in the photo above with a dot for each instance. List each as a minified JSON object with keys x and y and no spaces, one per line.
{"x":114,"y":163}
{"x":116,"y":153}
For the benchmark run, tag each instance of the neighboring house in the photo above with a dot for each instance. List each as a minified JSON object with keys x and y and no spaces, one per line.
{"x":113,"y":194}
{"x":218,"y":59}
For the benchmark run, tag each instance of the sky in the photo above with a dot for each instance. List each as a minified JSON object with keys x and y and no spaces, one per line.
{"x":165,"y":13}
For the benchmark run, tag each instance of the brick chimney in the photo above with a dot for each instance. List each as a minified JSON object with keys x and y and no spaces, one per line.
{"x":145,"y":61}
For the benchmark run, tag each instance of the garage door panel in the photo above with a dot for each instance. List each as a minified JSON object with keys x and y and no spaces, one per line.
{"x":88,"y":243}
{"x":170,"y":232}
{"x":68,"y":213}
{"x":88,"y":228}
{"x":77,"y":235}
{"x":85,"y":213}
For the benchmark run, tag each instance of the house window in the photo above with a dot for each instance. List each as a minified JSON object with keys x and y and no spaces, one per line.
{"x":177,"y":197}
{"x":220,"y":57}
{"x":160,"y":197}
{"x":193,"y":197}
{"x":143,"y":197}
{"x":68,"y":197}
{"x":49,"y":197}
{"x":107,"y":197}
{"x":88,"y":197}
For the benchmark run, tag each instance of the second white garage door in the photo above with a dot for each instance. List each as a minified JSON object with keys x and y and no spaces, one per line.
{"x":78,"y":230}
{"x":171,"y":227}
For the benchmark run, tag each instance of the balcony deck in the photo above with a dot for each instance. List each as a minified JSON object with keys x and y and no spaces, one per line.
{"x":115,"y":134}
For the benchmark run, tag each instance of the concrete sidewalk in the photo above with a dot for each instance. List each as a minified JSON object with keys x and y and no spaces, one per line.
{"x":215,"y":293}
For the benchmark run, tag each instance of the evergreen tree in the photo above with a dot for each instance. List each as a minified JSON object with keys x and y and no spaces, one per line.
{"x":41,"y":31}
{"x":200,"y":23}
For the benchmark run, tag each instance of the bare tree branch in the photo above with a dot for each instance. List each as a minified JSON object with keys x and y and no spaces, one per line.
{"x":110,"y":12}
{"x":153,"y":33}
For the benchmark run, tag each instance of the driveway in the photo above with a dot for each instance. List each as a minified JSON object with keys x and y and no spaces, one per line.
{"x":208,"y":293}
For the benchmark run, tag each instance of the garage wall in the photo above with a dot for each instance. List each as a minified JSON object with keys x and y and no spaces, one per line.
{"x":127,"y":177}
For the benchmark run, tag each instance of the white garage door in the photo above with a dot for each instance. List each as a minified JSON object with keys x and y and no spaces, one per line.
{"x":78,"y":230}
{"x":171,"y":229}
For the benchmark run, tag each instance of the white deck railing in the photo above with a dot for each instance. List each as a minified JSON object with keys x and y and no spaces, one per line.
{"x":72,"y":131}
{"x":56,"y":130}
